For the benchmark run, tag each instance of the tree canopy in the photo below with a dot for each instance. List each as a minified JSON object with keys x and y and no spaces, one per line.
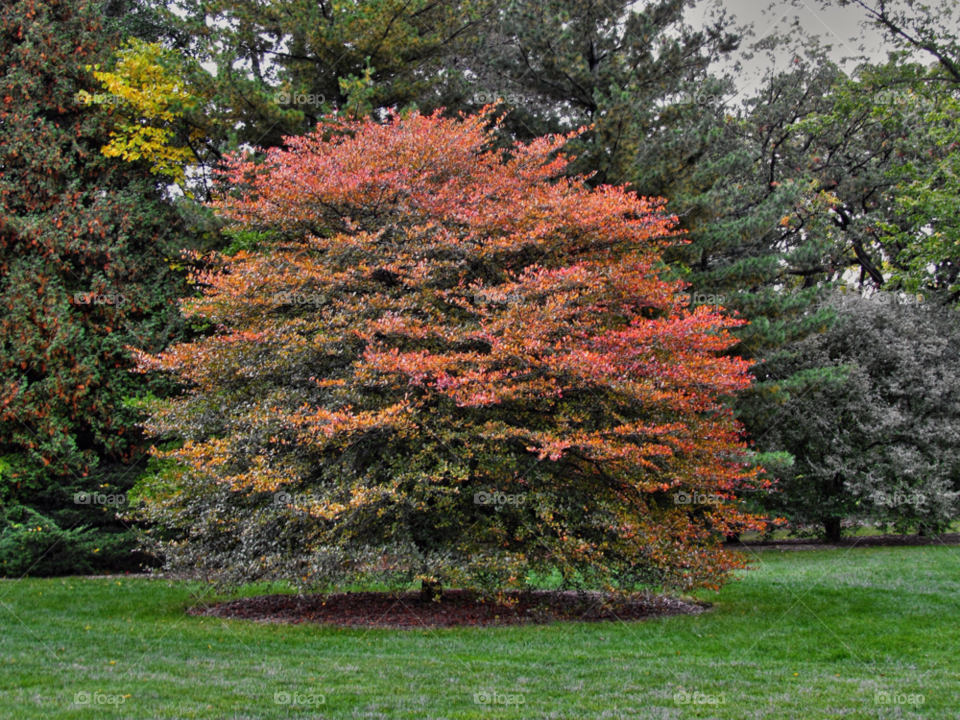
{"x":450,"y":364}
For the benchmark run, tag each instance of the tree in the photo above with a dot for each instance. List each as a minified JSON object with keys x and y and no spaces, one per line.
{"x":911,"y":26}
{"x":926,"y":234}
{"x":282,"y":65}
{"x":638,"y":74}
{"x":449,"y":364}
{"x":84,"y":272}
{"x":877,"y":442}
{"x":149,"y":81}
{"x":760,"y":193}
{"x":922,"y":239}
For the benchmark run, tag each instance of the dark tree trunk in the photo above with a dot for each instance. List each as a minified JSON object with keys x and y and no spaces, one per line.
{"x":832,"y":527}
{"x":430,"y":590}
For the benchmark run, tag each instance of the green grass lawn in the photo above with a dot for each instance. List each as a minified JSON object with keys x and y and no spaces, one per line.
{"x":853,"y":633}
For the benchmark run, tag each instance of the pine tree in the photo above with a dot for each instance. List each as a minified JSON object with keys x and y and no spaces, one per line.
{"x":280,"y":66}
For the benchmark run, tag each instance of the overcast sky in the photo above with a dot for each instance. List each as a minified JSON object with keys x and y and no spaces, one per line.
{"x":838,"y":26}
{"x":841,"y":28}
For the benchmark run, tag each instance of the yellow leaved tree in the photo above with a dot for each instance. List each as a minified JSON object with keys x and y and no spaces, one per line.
{"x":149,"y":88}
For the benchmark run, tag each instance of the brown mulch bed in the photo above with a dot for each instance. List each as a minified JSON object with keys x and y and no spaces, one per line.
{"x":864,"y":541}
{"x":456,"y":608}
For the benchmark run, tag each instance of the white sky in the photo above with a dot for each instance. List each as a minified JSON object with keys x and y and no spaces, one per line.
{"x":841,"y":28}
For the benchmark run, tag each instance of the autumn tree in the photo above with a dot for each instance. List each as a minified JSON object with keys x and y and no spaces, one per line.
{"x":450,"y":365}
{"x":153,"y":85}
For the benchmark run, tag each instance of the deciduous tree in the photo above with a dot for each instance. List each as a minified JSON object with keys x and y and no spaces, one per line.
{"x":451,"y":364}
{"x":876,"y":441}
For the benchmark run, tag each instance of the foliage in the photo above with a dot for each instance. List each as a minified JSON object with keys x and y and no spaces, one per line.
{"x":624,"y":69}
{"x":876,"y":441}
{"x":813,"y":178}
{"x":451,"y":365}
{"x":923,"y":238}
{"x":152,"y":96}
{"x":830,"y":154}
{"x":930,"y":28}
{"x":927,"y":236}
{"x":280,"y":66}
{"x":84,"y":242}
{"x":32,"y":544}
{"x":776,"y":208}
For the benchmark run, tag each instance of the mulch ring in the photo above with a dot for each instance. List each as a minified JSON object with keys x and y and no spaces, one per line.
{"x":456,"y":608}
{"x":862,"y":541}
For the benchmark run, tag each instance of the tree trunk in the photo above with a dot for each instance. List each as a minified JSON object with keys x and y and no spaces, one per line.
{"x":430,"y":590}
{"x":832,"y":527}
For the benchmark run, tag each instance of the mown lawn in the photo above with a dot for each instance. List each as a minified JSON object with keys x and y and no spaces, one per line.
{"x":852,"y":633}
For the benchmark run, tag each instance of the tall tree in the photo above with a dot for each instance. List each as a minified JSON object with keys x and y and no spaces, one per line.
{"x":86,"y":243}
{"x":279,"y":66}
{"x":921,"y":84}
{"x":611,"y":65}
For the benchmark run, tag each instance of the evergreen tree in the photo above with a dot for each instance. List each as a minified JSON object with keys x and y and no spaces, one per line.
{"x":86,"y":248}
{"x":278,"y":67}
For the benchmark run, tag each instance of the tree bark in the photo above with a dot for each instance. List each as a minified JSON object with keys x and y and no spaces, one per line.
{"x":832,"y":528}
{"x":430,"y":590}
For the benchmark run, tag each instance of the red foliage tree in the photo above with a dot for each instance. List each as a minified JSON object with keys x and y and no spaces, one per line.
{"x":447,"y":363}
